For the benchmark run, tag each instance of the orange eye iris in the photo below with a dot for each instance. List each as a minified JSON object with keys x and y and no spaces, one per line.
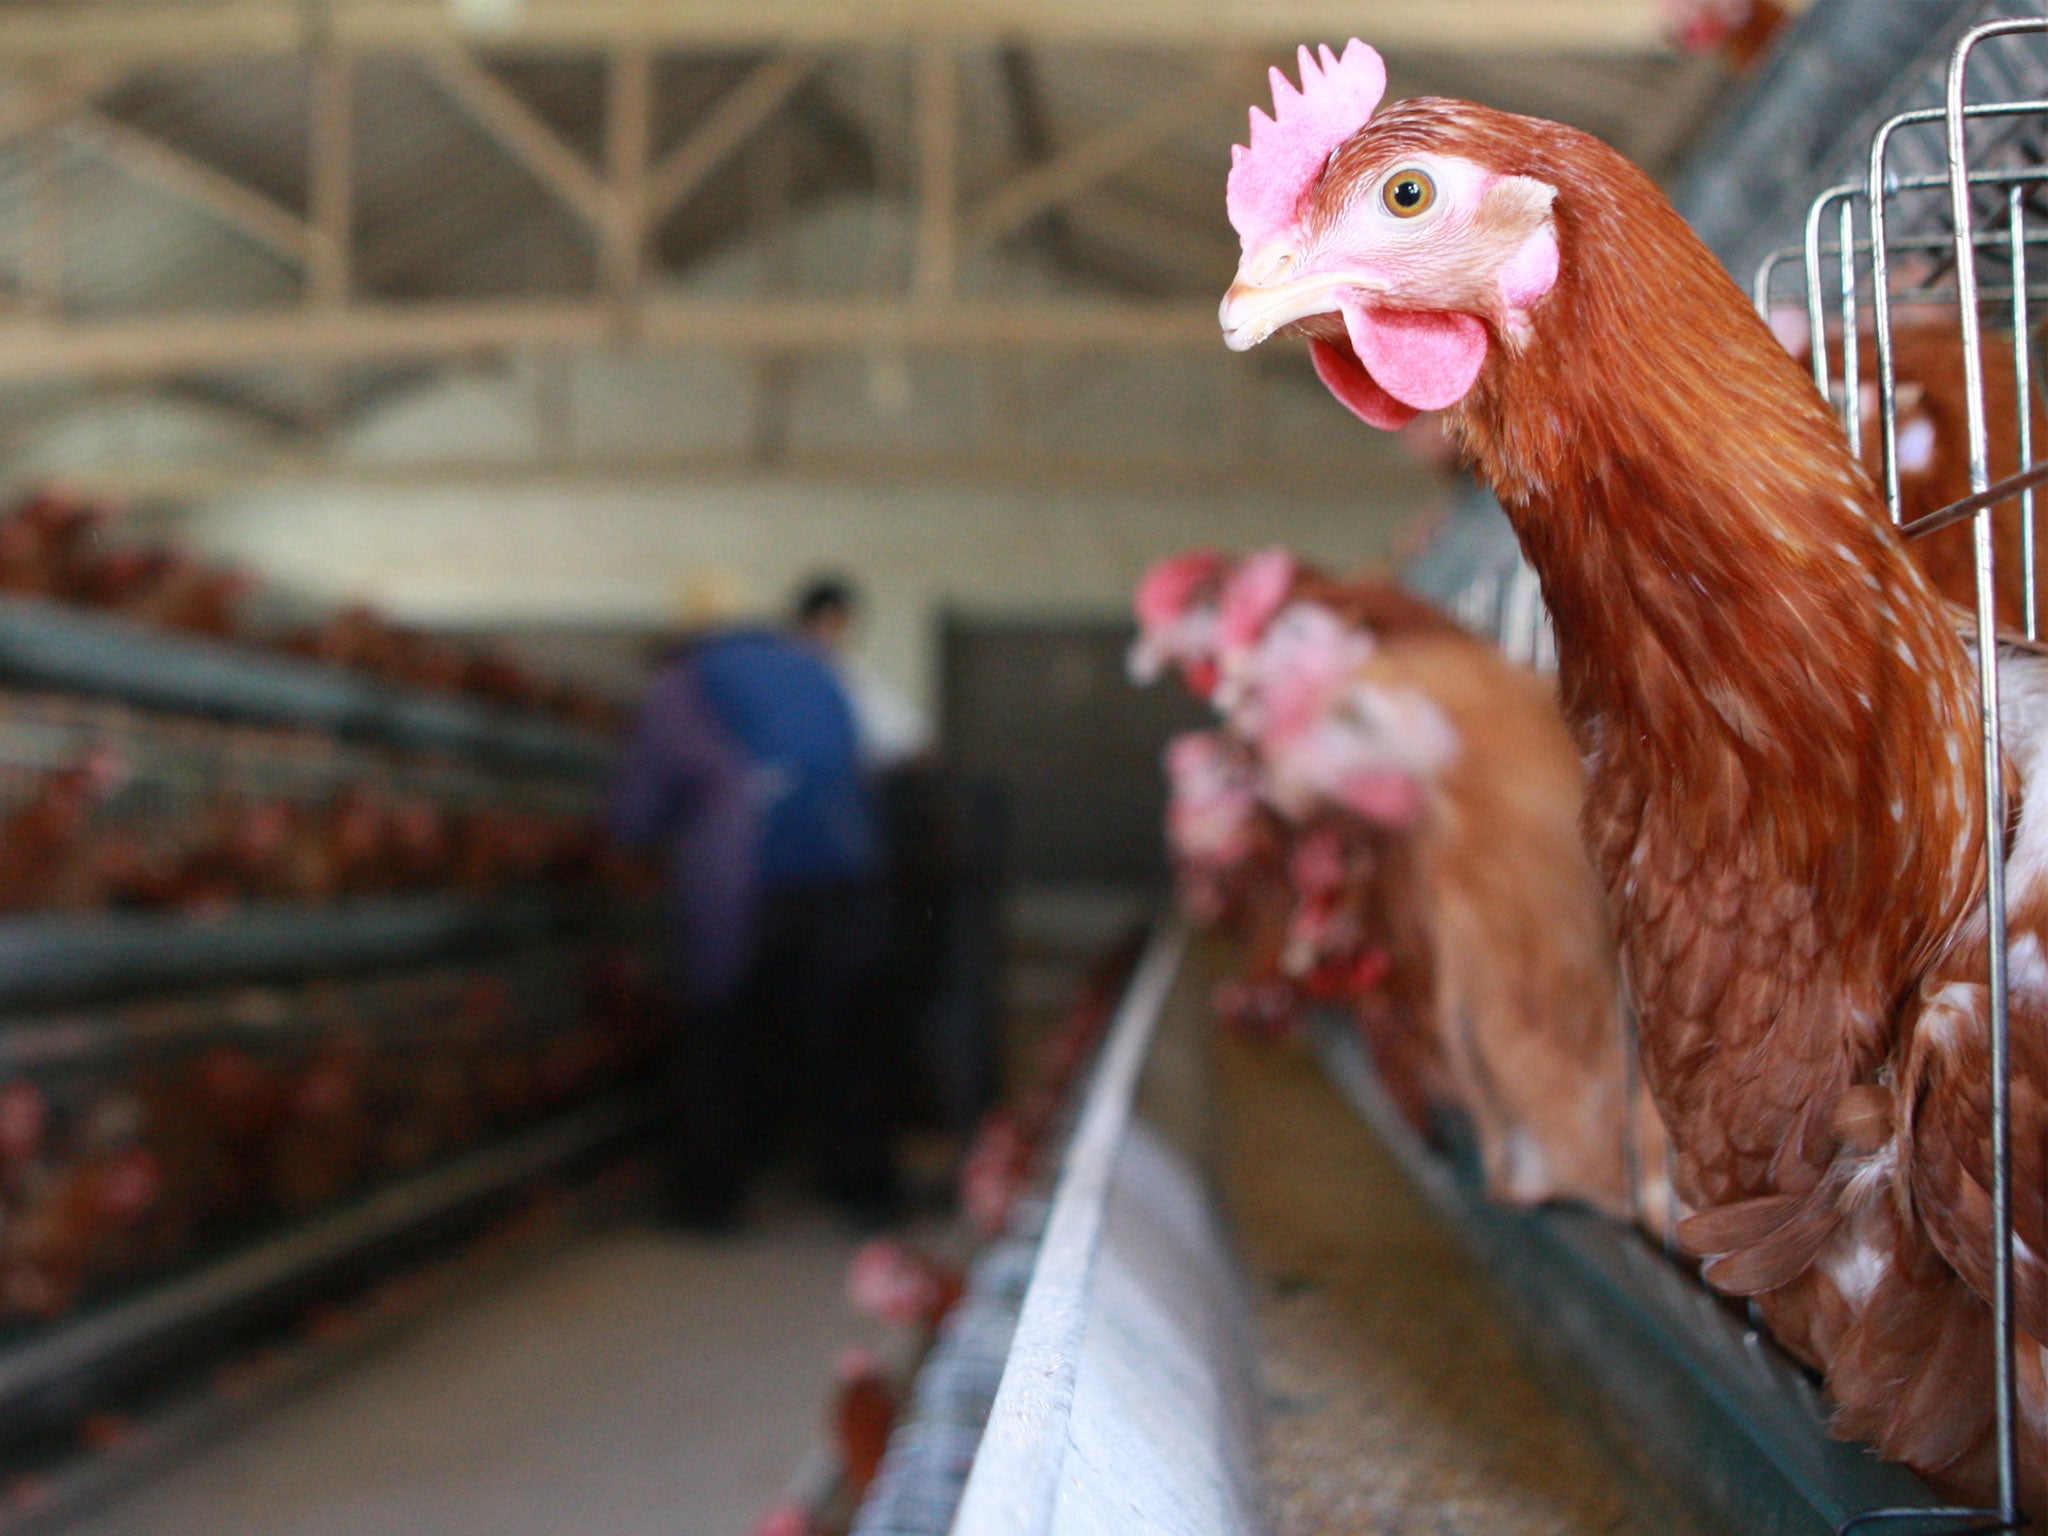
{"x":1408,"y":193}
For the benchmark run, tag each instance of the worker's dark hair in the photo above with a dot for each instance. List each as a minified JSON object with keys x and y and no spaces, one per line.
{"x":823,"y":595}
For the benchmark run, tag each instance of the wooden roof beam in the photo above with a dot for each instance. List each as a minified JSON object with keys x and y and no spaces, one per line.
{"x":36,"y":106}
{"x":1196,"y":254}
{"x":628,"y":130}
{"x":1082,"y":166}
{"x":193,"y":181}
{"x":33,"y":348}
{"x":330,"y":178}
{"x":517,"y":129}
{"x":936,"y":125}
{"x":147,"y":481}
{"x":738,"y":114}
{"x":142,"y":30}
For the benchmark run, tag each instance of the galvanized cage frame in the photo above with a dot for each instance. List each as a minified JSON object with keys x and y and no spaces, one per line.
{"x":1918,"y":229}
{"x":169,"y":766}
{"x":1925,"y":241}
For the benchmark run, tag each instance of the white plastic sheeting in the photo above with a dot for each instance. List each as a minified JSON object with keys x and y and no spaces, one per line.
{"x":1126,"y":1402}
{"x":1163,"y":1428}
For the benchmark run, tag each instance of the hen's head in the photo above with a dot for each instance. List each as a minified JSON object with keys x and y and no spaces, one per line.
{"x":1373,"y":750}
{"x":1402,"y":242}
{"x":1278,"y":651}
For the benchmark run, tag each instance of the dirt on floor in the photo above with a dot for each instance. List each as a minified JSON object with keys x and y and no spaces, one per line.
{"x":1398,"y":1400}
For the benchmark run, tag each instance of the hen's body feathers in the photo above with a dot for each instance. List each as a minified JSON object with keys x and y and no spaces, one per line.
{"x":1786,"y":805}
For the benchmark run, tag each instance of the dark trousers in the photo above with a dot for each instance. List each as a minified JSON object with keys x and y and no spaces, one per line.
{"x":794,"y":1051}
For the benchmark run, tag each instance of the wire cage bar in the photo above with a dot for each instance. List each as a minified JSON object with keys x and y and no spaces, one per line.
{"x":162,"y":758}
{"x":174,"y":786}
{"x":1505,"y":602}
{"x":1948,"y":212}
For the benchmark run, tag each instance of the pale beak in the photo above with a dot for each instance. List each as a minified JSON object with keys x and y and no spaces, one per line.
{"x":1251,"y":312}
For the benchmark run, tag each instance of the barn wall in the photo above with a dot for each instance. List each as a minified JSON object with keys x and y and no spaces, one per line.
{"x":627,"y":553}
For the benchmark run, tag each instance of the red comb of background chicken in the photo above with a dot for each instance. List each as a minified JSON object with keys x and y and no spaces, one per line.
{"x":1257,"y":590}
{"x":1288,"y":149}
{"x":1166,"y":591}
{"x":1175,"y":625}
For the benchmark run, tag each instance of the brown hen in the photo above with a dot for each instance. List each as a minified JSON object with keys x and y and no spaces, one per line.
{"x":1779,"y":722}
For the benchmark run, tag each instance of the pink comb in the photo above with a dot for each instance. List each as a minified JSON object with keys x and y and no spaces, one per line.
{"x":1257,"y":589}
{"x":1169,"y":588}
{"x":1289,"y":149}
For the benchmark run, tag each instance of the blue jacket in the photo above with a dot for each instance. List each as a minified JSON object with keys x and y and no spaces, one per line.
{"x":787,"y":711}
{"x":683,"y":786}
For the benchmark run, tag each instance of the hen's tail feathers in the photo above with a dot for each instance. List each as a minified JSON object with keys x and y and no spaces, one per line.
{"x":1753,"y":1246}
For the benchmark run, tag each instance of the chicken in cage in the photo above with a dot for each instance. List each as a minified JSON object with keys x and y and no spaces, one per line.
{"x":136,"y":1137}
{"x":105,"y":805}
{"x":1813,"y":795}
{"x":1917,"y":317}
{"x":1388,"y":819}
{"x":57,"y":548}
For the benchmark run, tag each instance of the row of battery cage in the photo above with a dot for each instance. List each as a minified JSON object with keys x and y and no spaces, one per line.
{"x":161,"y":762}
{"x":917,"y":1488}
{"x":1947,"y":219}
{"x":1933,"y":192}
{"x":105,"y":805}
{"x":137,"y":1139}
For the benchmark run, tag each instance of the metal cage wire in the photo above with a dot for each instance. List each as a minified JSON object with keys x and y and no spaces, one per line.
{"x":1505,"y":603}
{"x":1948,"y":222}
{"x":172,"y":765}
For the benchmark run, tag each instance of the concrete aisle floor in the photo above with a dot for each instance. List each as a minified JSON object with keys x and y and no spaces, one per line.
{"x":638,"y":1384}
{"x":1399,"y":1404}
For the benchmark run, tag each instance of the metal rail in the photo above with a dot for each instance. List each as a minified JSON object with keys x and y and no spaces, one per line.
{"x":54,"y":957}
{"x":47,"y":645}
{"x":2005,"y":1388}
{"x":2005,"y":490}
{"x":405,"y":1007}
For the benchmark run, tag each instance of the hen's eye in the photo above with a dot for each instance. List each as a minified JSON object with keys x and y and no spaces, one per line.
{"x":1408,"y":193}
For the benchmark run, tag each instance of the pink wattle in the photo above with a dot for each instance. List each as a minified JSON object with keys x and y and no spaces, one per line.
{"x":1355,"y":389}
{"x":1390,"y":799}
{"x":1425,"y":359}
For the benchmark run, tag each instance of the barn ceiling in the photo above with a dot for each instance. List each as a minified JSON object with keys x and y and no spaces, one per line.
{"x":287,"y":211}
